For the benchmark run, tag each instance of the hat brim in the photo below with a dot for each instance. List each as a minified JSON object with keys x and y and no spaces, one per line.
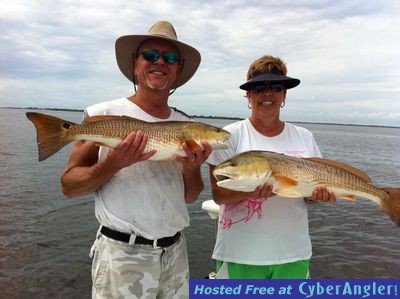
{"x":287,"y":82}
{"x":127,"y":45}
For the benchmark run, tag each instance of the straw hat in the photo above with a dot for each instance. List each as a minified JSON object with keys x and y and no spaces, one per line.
{"x":126,"y":47}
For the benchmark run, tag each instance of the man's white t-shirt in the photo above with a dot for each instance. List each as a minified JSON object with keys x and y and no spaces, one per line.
{"x":264,"y":232}
{"x":146,"y":198}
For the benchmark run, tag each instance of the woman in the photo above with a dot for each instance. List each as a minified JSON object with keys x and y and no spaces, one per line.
{"x":260,"y":238}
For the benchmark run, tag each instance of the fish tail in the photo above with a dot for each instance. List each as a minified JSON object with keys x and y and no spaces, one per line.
{"x":50,"y":131}
{"x":391,"y":204}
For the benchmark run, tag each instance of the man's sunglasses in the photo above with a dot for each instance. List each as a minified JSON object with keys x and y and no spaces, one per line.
{"x":274,"y":86}
{"x":154,"y":55}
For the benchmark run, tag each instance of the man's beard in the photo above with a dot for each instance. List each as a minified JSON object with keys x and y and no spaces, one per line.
{"x":156,"y":88}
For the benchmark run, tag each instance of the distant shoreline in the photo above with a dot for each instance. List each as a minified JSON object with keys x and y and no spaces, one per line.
{"x":210,"y":116}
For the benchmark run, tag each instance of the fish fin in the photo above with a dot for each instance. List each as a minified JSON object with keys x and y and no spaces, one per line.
{"x":100,"y":144}
{"x":288,"y":193}
{"x":285,"y":181}
{"x":285,"y":184}
{"x":342,"y":166}
{"x":50,"y":132}
{"x":97,"y":118}
{"x":348,"y":197}
{"x":192,"y":144}
{"x":164,"y":160}
{"x":391,"y":204}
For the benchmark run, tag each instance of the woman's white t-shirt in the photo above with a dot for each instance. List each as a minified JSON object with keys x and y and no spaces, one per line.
{"x":264,"y":232}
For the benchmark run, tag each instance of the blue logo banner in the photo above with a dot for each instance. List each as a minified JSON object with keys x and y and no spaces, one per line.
{"x":294,"y":288}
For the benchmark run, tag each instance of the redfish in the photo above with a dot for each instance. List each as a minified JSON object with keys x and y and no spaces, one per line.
{"x":109,"y":130}
{"x":298,"y":177}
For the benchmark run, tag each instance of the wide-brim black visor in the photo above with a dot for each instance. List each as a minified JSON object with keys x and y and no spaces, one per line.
{"x":287,"y":82}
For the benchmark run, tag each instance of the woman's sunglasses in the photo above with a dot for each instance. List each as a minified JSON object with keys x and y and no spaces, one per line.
{"x":154,"y":55}
{"x":274,"y":86}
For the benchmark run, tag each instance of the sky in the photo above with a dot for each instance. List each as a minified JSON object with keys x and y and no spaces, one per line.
{"x":60,"y":54}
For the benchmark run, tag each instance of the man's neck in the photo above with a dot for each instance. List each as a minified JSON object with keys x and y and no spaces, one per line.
{"x":153,"y":102}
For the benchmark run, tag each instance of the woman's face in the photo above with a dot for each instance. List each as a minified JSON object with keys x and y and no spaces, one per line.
{"x":266,"y":100}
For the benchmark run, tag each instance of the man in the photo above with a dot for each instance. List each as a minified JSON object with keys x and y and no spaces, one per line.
{"x":140,"y":249}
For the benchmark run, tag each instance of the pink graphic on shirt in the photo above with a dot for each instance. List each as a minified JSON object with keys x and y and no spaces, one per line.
{"x":242,"y":211}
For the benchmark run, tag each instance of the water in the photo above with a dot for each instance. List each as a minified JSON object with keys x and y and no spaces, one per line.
{"x":45,"y":238}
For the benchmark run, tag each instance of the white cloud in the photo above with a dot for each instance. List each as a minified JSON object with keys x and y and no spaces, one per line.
{"x":61,"y":54}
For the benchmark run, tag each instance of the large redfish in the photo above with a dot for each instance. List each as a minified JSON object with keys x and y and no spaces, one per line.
{"x":298,"y":177}
{"x":166,"y":137}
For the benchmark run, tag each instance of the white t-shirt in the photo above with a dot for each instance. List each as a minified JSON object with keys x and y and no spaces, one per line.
{"x":258,"y":232}
{"x":146,"y":198}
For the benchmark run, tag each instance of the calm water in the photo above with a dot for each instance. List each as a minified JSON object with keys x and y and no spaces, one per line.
{"x":45,"y":238}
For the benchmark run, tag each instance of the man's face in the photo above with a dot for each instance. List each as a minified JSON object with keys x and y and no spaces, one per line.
{"x":161,"y":73}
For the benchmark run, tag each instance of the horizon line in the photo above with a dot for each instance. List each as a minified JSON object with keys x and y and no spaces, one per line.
{"x":218,"y":117}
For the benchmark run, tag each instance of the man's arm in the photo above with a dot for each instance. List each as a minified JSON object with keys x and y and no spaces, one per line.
{"x":84,"y":174}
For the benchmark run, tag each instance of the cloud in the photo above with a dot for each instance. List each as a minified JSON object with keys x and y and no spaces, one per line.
{"x":61,"y":54}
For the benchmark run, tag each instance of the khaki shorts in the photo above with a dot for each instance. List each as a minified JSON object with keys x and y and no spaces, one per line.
{"x":120,"y":270}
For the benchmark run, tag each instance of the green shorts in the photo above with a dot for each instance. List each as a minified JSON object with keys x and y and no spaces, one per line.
{"x":299,"y":269}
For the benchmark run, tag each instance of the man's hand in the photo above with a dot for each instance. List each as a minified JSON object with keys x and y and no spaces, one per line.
{"x":194,"y":156}
{"x":130,"y":150}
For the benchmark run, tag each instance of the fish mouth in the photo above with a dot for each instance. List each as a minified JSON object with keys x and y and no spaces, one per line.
{"x":222,"y":177}
{"x":222,"y":143}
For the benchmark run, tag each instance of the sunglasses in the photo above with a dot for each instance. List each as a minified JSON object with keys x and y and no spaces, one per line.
{"x":274,"y":86}
{"x":154,"y":55}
